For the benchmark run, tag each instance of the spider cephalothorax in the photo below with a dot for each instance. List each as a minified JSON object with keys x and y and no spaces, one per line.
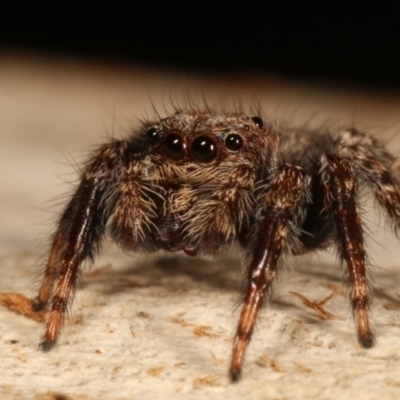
{"x":197,"y":181}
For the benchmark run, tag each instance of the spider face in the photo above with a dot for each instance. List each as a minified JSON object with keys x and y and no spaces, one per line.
{"x":198,"y":181}
{"x":190,"y":162}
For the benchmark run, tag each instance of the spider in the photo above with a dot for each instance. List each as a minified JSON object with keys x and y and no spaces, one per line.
{"x":198,"y":180}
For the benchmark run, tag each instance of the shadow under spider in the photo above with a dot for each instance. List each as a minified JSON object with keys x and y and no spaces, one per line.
{"x":172,"y":272}
{"x":179,"y":272}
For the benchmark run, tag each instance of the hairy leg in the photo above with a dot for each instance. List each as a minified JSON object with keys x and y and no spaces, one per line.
{"x":77,"y":238}
{"x":377,"y":168}
{"x":289,"y":186}
{"x":340,"y":187}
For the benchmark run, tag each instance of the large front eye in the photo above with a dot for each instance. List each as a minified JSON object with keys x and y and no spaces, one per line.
{"x":174,"y":146}
{"x":234,"y":142}
{"x":204,"y":149}
{"x":153,"y":135}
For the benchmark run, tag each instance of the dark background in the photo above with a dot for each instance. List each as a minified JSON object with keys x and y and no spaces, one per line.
{"x":357,"y":43}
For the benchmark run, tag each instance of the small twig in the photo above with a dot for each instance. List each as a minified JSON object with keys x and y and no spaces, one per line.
{"x":318,"y":306}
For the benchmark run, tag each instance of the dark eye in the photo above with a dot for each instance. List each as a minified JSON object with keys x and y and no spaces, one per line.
{"x":153,"y":135}
{"x":204,"y":149}
{"x":233,"y":142}
{"x":258,"y":121}
{"x":174,"y":146}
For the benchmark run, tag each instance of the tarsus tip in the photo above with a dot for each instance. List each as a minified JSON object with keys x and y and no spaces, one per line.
{"x":367,"y":341}
{"x":235,"y":375}
{"x":46,"y":345}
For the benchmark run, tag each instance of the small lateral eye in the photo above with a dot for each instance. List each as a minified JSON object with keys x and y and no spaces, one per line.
{"x":234,"y":142}
{"x":174,"y":146}
{"x":153,"y":135}
{"x":204,"y":149}
{"x":258,"y":121}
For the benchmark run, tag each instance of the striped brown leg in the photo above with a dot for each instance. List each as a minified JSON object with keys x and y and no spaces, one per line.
{"x":50,"y":273}
{"x":340,"y":191}
{"x":77,"y":238}
{"x":79,"y":242}
{"x":378,"y":176}
{"x":285,"y":192}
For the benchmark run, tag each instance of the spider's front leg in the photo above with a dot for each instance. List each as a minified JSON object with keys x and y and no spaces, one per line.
{"x":288,"y":188}
{"x":339,"y":185}
{"x":77,"y":238}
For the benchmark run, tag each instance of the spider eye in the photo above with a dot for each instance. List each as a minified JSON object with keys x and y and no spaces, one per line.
{"x":258,"y":121}
{"x":204,"y":149}
{"x":174,"y":146}
{"x":234,"y":142}
{"x":153,"y":135}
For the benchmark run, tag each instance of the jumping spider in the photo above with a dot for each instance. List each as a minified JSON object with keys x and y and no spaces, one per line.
{"x":198,"y":180}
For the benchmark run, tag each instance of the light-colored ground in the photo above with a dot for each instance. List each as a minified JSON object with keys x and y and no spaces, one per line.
{"x":162,"y":328}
